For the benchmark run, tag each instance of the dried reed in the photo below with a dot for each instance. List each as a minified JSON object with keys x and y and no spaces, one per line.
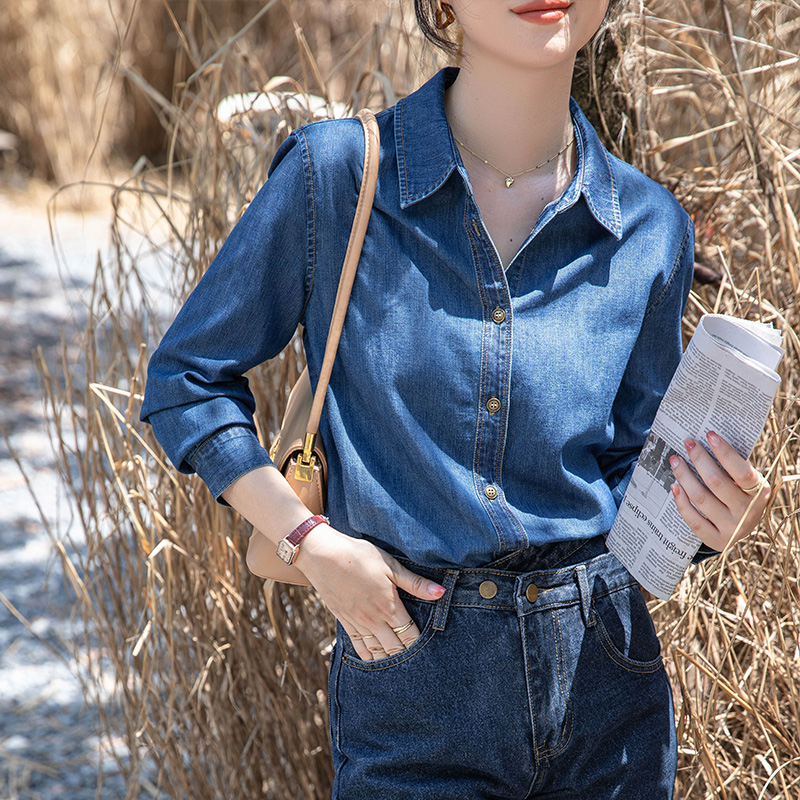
{"x":221,"y":684}
{"x":717,"y":105}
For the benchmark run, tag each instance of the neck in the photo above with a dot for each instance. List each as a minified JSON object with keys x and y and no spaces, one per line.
{"x":513,"y":117}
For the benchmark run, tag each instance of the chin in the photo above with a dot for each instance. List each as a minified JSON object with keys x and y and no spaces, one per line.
{"x":553,"y":54}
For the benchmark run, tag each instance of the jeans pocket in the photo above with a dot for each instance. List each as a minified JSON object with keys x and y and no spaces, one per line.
{"x":421,"y":611}
{"x":625,"y":629}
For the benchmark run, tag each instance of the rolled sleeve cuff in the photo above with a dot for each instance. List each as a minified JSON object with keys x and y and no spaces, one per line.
{"x":704,"y":552}
{"x":227,"y":455}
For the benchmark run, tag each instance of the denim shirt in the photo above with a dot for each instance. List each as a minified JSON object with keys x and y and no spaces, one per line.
{"x":473,"y":410}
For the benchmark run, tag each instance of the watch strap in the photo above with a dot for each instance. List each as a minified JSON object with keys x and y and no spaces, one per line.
{"x":304,"y":528}
{"x":289,"y":545}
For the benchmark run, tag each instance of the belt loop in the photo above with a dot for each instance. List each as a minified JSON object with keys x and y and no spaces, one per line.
{"x":586,"y":597}
{"x":443,"y":603}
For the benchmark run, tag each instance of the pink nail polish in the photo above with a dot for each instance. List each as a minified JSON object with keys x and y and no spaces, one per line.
{"x":436,"y":591}
{"x":690,"y":444}
{"x":674,"y":461}
{"x":676,"y":489}
{"x":713,"y":438}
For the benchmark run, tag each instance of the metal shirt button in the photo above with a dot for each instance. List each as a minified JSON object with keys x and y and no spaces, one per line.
{"x":532,"y":592}
{"x":488,"y":589}
{"x":498,"y":315}
{"x":490,"y":492}
{"x":493,"y":405}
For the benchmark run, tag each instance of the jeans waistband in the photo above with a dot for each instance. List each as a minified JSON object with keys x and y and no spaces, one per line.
{"x":531,"y":590}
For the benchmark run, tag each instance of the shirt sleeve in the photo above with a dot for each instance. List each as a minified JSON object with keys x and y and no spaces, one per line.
{"x":652,"y":364}
{"x":650,"y":368}
{"x":244,"y":310}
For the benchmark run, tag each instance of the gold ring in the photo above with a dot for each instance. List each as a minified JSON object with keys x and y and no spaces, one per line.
{"x":757,"y":488}
{"x":368,"y":636}
{"x":403,"y":628}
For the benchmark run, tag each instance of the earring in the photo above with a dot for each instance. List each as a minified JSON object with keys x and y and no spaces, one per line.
{"x":444,"y":16}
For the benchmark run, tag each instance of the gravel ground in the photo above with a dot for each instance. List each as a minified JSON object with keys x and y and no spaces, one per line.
{"x":48,"y":743}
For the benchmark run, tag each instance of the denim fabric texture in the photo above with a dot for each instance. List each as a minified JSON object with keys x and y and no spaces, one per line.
{"x":574,"y":343}
{"x":559,"y":692}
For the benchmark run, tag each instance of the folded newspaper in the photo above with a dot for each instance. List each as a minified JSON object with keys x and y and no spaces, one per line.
{"x":726,"y":382}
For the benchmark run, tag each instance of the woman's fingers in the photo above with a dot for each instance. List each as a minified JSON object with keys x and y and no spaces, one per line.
{"x":414,"y":584}
{"x":374,"y":639}
{"x":386,"y":641}
{"x":718,"y":506}
{"x":700,"y":526}
{"x":407,"y":634}
{"x":359,"y":642}
{"x":705,"y":501}
{"x":374,"y":646}
{"x":744,"y":474}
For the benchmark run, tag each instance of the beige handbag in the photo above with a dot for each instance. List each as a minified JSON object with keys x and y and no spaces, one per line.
{"x":298,"y":451}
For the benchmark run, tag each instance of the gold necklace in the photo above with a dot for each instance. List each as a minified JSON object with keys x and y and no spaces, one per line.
{"x":511,"y":176}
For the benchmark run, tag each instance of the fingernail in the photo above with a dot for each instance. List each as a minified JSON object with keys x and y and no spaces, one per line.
{"x":674,"y":461}
{"x":713,"y":438}
{"x":676,"y":488}
{"x":434,"y":590}
{"x":690,"y":444}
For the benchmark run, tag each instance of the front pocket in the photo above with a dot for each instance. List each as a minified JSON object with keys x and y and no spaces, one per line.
{"x":422,"y":612}
{"x":625,"y":629}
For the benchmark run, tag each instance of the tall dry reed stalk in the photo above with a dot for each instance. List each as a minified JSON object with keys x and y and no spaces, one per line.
{"x":221,"y":684}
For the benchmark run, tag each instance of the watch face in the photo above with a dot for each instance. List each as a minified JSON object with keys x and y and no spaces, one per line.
{"x":286,"y":551}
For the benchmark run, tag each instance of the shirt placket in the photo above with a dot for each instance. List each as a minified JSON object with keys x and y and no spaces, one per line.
{"x":495,"y":383}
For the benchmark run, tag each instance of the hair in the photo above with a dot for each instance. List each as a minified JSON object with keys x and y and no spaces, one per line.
{"x":425,"y":11}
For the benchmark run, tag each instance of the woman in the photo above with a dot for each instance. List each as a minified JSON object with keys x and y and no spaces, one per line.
{"x":514,"y":323}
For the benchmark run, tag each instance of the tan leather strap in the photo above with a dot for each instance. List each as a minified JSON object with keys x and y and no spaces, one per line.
{"x":366,"y":195}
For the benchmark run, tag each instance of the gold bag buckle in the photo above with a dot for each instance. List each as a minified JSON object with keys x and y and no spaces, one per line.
{"x":304,"y":468}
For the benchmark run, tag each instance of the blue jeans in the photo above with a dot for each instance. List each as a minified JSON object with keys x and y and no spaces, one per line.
{"x":536,"y":677}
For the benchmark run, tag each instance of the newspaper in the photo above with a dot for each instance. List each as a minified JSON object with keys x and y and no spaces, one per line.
{"x":725,"y":382}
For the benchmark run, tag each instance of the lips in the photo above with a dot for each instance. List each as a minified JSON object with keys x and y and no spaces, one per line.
{"x":542,"y":5}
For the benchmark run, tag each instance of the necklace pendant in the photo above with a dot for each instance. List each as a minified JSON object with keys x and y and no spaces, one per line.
{"x":509,"y":182}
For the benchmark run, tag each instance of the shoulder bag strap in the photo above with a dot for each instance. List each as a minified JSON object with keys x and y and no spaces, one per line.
{"x":357,"y":233}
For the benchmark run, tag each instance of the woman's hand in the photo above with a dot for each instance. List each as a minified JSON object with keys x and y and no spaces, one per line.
{"x":730,"y":504}
{"x":358,"y":582}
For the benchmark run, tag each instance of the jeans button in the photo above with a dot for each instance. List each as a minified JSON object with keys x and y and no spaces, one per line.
{"x":532,"y":592}
{"x":488,"y":589}
{"x":490,"y":492}
{"x":493,"y":405}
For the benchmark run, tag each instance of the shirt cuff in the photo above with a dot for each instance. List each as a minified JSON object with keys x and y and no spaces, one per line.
{"x":704,"y":552}
{"x":227,"y":455}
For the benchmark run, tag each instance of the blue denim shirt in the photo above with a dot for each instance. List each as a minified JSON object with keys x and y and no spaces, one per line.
{"x":472,"y":410}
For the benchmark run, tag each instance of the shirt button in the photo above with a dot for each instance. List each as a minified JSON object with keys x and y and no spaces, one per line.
{"x":498,"y":315}
{"x":493,"y":406}
{"x":490,"y":492}
{"x":488,"y":590}
{"x":532,"y":592}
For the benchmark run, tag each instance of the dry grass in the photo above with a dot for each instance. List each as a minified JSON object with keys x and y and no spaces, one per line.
{"x":222,"y":685}
{"x":87,"y":84}
{"x":717,"y":103}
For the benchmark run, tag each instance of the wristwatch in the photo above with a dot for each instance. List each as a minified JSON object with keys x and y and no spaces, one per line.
{"x":289,"y":545}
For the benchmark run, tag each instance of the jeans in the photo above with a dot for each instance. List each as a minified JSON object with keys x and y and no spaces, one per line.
{"x":539,"y":676}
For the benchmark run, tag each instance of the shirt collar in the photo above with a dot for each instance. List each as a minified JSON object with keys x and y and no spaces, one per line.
{"x":426,"y":154}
